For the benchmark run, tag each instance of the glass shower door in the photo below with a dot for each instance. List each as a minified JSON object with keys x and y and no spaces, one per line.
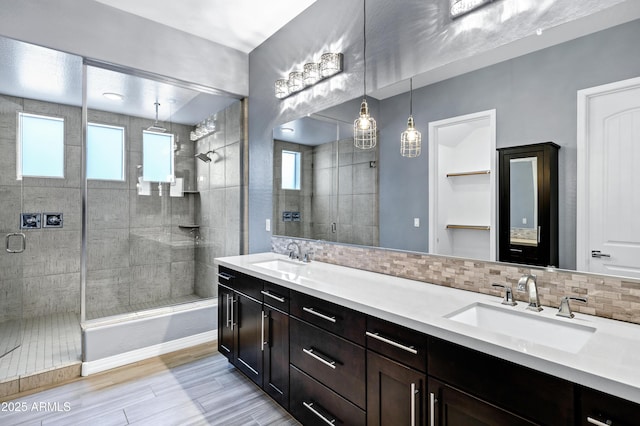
{"x":13,"y":238}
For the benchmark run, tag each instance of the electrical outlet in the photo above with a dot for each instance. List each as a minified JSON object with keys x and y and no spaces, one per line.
{"x":416,"y":222}
{"x":267,"y":225}
{"x":524,"y":220}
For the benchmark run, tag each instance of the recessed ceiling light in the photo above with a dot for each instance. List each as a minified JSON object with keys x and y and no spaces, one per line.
{"x":113,"y":96}
{"x":286,"y":130}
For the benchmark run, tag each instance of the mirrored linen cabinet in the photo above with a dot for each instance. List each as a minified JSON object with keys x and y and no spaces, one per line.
{"x":528,"y":206}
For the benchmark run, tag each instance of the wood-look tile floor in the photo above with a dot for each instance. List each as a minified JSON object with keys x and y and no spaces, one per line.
{"x":207,"y":391}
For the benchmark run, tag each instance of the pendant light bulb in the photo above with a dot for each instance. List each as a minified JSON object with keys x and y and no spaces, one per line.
{"x":364,"y":128}
{"x":410,"y":139}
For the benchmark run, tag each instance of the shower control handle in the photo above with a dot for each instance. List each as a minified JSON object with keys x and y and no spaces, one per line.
{"x":23,"y":239}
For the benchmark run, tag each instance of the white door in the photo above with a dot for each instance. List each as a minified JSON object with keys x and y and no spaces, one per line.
{"x":608,"y":207}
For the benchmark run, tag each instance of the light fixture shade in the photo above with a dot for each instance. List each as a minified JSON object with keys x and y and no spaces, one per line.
{"x":282,"y":88}
{"x":330,"y":64}
{"x":295,"y":83}
{"x":364,"y":129}
{"x":410,"y":140}
{"x":311,"y":73}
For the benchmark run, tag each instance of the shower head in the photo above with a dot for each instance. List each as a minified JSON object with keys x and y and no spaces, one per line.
{"x":204,"y":156}
{"x":155,"y":127}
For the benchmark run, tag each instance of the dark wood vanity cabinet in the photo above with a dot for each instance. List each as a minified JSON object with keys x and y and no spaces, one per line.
{"x":254,"y":334}
{"x":477,"y":385}
{"x":597,"y":408}
{"x":528,"y":204}
{"x":396,"y":374}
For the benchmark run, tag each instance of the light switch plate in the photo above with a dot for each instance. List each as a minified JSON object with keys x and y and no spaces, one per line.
{"x":416,"y":222}
{"x":267,"y":225}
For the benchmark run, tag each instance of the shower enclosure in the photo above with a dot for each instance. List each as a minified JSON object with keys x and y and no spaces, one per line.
{"x":105,"y":212}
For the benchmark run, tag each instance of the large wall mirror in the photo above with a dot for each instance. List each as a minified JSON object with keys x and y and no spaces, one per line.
{"x":535,"y":98}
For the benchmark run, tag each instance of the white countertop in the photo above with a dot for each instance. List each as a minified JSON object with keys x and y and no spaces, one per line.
{"x":609,"y":361}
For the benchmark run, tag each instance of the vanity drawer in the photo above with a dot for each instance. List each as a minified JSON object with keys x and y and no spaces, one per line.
{"x":276,"y":296}
{"x":242,"y":283}
{"x":335,"y":318}
{"x":526,"y":392}
{"x":332,"y":360}
{"x":606,"y":409}
{"x":399,"y":343}
{"x":311,"y":403}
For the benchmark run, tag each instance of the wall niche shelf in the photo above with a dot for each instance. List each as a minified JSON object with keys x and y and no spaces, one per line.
{"x":472,"y":227}
{"x":462,"y":190}
{"x":189,"y":226}
{"x":190,"y":192}
{"x":478,"y":172}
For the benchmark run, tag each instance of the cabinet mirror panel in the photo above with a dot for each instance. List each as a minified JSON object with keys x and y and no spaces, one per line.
{"x":534,"y":96}
{"x":523,"y":203}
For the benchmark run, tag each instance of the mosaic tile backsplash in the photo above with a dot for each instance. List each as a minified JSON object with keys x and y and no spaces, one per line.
{"x":609,"y":297}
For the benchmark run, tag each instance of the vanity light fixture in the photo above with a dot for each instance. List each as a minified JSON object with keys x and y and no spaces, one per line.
{"x":204,"y":128}
{"x":365,"y":128}
{"x":461,"y":7}
{"x":410,"y":139}
{"x":312,"y":73}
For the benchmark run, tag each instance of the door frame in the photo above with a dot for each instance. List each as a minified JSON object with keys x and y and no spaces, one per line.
{"x":582,"y":148}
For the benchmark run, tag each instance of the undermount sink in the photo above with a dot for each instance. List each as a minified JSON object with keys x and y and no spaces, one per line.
{"x":525,"y":326}
{"x":280,"y":265}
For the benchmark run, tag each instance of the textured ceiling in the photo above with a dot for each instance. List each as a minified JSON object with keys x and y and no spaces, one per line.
{"x":239,"y":24}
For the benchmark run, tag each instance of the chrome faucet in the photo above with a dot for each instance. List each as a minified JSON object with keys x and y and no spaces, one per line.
{"x":565,"y":309}
{"x":508,"y":294}
{"x":528,"y":283}
{"x":291,"y":252}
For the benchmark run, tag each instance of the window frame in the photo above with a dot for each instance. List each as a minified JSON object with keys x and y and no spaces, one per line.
{"x":124,"y":151}
{"x":297,"y":174}
{"x":19,"y":144}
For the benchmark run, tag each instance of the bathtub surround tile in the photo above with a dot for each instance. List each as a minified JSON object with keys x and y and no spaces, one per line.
{"x":182,"y":278}
{"x":149,"y":246}
{"x":607,"y":296}
{"x":232,"y":164}
{"x":108,"y":208}
{"x":149,"y":283}
{"x":107,"y":289}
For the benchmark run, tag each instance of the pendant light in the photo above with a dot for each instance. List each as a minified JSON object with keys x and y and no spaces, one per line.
{"x":410,"y":139}
{"x":364,"y":128}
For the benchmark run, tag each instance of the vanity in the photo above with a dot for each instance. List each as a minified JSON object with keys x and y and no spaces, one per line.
{"x":336,"y":345}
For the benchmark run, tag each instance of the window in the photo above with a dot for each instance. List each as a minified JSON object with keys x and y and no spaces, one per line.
{"x":290,"y":170}
{"x":157,"y":157}
{"x":40,"y":150}
{"x":105,"y":152}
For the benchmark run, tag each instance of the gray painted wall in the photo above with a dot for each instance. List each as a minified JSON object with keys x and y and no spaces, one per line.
{"x":414,"y":38}
{"x":535,"y":98}
{"x":94,"y":30}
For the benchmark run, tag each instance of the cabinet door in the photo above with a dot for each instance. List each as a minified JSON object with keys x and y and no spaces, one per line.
{"x":276,"y":355}
{"x":451,"y":407}
{"x":226,"y":322}
{"x":249,"y":341}
{"x":395,"y":393}
{"x":598,"y":408}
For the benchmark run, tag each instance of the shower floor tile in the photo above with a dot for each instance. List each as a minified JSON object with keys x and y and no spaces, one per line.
{"x":47,"y":342}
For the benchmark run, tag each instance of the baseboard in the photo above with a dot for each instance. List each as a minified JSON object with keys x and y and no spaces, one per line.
{"x":119,"y":360}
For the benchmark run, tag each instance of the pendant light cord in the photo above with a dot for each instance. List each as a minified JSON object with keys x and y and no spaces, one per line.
{"x":411,"y":97}
{"x":364,"y":54}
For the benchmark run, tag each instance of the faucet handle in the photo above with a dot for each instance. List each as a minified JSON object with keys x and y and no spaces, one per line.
{"x":508,"y":294}
{"x":565,"y":308}
{"x":307,"y":257}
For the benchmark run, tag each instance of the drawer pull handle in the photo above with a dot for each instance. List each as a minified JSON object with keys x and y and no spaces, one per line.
{"x":273,"y":296}
{"x":598,"y":422}
{"x":329,"y":363}
{"x":225,"y":276}
{"x":410,"y":349}
{"x":318,"y":314}
{"x":309,"y":406}
{"x":432,"y":409}
{"x":414,"y":392}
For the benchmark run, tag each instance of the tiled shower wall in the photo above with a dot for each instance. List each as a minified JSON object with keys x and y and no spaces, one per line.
{"x":609,"y":297}
{"x":47,"y":273}
{"x":220,"y":186}
{"x":136,"y":251}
